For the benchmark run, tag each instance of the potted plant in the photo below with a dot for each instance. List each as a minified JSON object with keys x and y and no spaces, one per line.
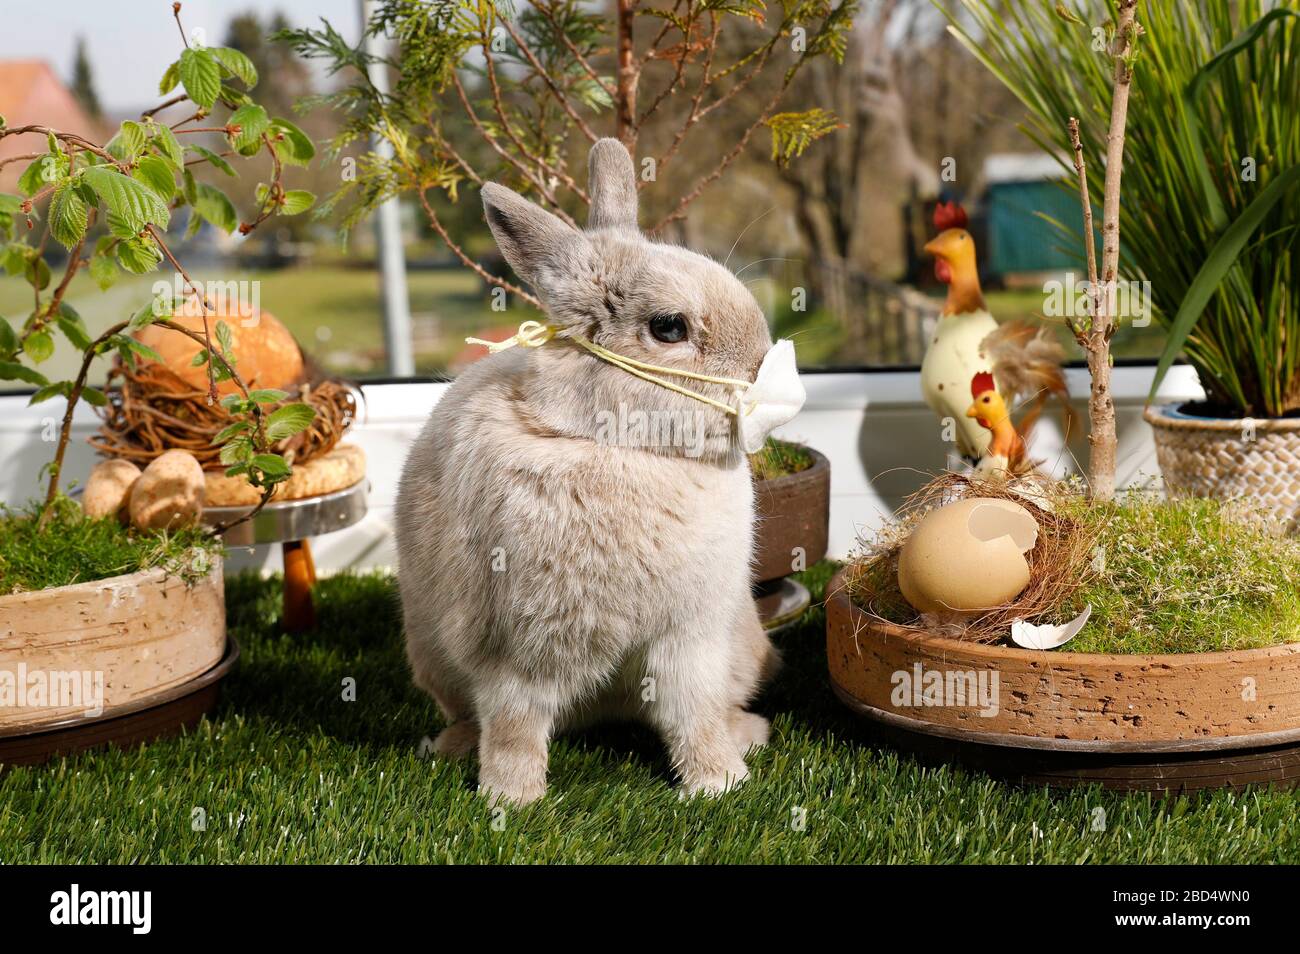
{"x":1209,"y":221}
{"x":792,"y":497}
{"x":137,"y":610}
{"x":1187,"y":610}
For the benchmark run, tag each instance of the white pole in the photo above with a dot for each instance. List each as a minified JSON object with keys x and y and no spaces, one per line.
{"x":388,"y":235}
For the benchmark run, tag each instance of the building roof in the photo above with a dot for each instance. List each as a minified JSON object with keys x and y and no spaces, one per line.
{"x":31,"y":94}
{"x":1003,"y":167}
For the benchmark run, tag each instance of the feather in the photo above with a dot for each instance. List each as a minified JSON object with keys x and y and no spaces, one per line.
{"x":1026,"y":362}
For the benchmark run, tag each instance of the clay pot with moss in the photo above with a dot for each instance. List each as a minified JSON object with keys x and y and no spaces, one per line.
{"x":792,"y":494}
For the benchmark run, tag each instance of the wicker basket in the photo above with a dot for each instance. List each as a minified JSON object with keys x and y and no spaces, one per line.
{"x":1256,"y":460}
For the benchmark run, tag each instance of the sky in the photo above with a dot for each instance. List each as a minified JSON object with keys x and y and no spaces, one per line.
{"x":131,"y":42}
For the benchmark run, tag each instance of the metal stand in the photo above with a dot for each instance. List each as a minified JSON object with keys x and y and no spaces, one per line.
{"x":291,"y":523}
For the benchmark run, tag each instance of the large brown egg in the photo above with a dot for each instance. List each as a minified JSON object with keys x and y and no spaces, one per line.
{"x":967,"y":556}
{"x":266,"y":355}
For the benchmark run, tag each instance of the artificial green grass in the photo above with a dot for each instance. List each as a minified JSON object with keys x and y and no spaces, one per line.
{"x":289,"y":772}
{"x":71,"y":549}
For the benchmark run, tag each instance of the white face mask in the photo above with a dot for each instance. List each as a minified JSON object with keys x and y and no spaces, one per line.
{"x":774,"y":397}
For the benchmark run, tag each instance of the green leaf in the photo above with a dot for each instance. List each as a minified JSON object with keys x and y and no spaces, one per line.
{"x":214,"y":160}
{"x":169,"y":147}
{"x":134,"y":203}
{"x":236,"y":470}
{"x":139,"y":347}
{"x":225,"y":338}
{"x":236,"y":64}
{"x":211,"y":203}
{"x":252,"y":122}
{"x":296,"y":148}
{"x":68,"y":216}
{"x":226,"y":433}
{"x":272,"y":465}
{"x":201,"y":76}
{"x":9,"y":204}
{"x":16,"y":256}
{"x":73,"y":328}
{"x":267,"y":395}
{"x":13,"y":371}
{"x":137,"y":256}
{"x":1242,"y":41}
{"x":57,"y":389}
{"x":128,"y":142}
{"x":93,"y":396}
{"x":38,"y":273}
{"x":171,"y":76}
{"x":103,"y":269}
{"x":238,"y":450}
{"x":8,"y":340}
{"x":199,"y":359}
{"x":157,"y":175}
{"x":288,"y":421}
{"x":160,"y":307}
{"x":38,"y":175}
{"x":1221,"y":260}
{"x":39,"y":346}
{"x":297,"y":201}
{"x":235,"y":404}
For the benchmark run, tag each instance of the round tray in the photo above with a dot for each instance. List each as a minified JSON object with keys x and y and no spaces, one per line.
{"x":144,"y":720}
{"x":293,"y":519}
{"x":781,"y":602}
{"x":1148,"y":722}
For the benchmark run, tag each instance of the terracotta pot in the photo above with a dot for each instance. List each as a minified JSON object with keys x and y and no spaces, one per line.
{"x":1226,"y":458}
{"x":1063,"y":700}
{"x":123,"y":641}
{"x":793,"y":515}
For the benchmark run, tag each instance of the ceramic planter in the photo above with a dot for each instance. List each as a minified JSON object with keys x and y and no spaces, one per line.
{"x":793,"y":514}
{"x":72,"y":657}
{"x":1253,"y":459}
{"x":1151,"y":722}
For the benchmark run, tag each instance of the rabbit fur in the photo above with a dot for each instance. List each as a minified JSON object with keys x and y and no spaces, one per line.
{"x":551,"y":577}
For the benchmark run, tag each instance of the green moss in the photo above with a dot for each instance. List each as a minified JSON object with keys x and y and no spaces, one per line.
{"x":1187,"y":576}
{"x":1176,"y":576}
{"x":72,"y":549}
{"x":779,"y":458}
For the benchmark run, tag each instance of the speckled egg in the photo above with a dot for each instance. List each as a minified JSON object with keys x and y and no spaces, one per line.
{"x":967,"y":556}
{"x":108,"y":488}
{"x":169,"y":493}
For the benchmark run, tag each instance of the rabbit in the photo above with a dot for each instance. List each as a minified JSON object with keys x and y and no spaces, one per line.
{"x":550,"y":577}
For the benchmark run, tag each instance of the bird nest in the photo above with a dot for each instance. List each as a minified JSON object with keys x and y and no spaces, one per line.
{"x":1060,"y":564}
{"x":151,"y":409}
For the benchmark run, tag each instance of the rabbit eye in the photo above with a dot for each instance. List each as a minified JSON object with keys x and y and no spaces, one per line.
{"x":669,"y":329}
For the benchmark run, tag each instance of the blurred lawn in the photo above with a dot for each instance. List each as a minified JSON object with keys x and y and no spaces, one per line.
{"x":335,"y":312}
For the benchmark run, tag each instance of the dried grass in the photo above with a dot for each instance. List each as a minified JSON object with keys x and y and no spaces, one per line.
{"x":1060,"y":563}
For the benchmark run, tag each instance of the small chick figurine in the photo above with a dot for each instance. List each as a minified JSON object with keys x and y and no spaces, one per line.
{"x":1006,"y":448}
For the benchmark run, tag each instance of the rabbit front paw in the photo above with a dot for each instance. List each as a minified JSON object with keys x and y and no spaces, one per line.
{"x":714,"y":781}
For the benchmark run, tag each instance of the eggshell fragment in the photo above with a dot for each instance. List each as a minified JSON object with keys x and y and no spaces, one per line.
{"x":967,"y":557}
{"x":169,"y":493}
{"x":108,"y":488}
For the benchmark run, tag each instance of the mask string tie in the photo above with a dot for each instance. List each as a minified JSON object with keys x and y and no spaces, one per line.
{"x":534,"y":334}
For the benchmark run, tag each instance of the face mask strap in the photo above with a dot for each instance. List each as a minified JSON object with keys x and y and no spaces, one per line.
{"x":534,"y":334}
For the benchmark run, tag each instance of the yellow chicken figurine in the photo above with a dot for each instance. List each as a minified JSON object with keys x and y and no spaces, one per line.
{"x":1006,"y":448}
{"x":1022,"y":361}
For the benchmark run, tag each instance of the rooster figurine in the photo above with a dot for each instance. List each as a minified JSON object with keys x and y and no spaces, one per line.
{"x":1018,"y":362}
{"x":1006,"y":450}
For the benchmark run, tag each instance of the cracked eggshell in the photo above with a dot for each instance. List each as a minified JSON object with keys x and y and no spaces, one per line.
{"x":169,"y":493}
{"x":108,"y":488}
{"x":967,"y":556}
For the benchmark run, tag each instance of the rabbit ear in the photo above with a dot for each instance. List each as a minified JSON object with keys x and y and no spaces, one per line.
{"x":537,"y":244}
{"x":611,"y":184}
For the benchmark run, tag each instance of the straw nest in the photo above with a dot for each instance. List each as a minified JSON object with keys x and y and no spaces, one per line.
{"x":151,"y":409}
{"x":1060,"y":564}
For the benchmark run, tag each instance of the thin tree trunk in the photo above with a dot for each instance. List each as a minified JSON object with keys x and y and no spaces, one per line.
{"x":628,"y":75}
{"x":1102,"y":437}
